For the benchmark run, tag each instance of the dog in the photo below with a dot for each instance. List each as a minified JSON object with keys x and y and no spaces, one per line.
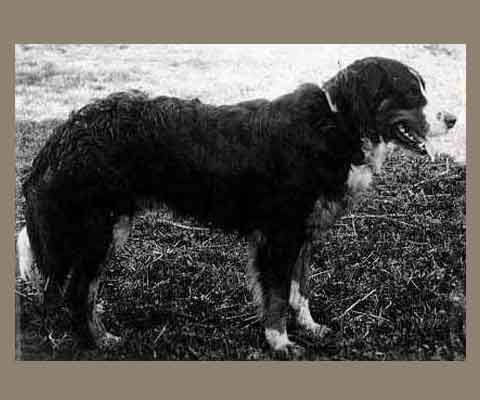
{"x":278,"y":172}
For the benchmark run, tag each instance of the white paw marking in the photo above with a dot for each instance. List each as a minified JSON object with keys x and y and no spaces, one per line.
{"x":277,"y":340}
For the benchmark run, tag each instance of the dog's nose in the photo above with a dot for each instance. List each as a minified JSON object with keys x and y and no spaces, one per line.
{"x":449,"y":119}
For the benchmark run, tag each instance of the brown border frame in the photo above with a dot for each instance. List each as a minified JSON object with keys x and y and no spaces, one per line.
{"x":229,"y":22}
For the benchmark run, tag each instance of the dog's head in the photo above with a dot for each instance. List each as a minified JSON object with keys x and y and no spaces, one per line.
{"x":384,"y":100}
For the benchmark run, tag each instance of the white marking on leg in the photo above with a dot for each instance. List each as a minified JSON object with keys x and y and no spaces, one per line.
{"x":254,"y":284}
{"x":121,"y":231}
{"x":92,"y":299}
{"x":276,"y":339}
{"x":25,"y":255}
{"x":255,"y":240}
{"x":300,"y":305}
{"x":102,"y":338}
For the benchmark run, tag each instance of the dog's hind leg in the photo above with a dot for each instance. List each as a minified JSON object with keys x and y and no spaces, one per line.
{"x":270,"y":271}
{"x":84,"y":280}
{"x":83,"y":301}
{"x":299,"y":293}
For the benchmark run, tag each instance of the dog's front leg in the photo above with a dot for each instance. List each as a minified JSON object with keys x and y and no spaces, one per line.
{"x":299,"y":293}
{"x":322,"y":217}
{"x":269,"y":269}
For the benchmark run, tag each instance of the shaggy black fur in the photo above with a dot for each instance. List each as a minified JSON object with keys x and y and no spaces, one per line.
{"x":257,"y":166}
{"x":239,"y":166}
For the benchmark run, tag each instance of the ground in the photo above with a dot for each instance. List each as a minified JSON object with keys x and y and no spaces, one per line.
{"x":389,"y":280}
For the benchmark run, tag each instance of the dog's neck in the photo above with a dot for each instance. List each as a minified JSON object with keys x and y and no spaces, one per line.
{"x":374,"y":154}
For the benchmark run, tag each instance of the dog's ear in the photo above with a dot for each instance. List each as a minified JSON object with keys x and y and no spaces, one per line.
{"x":359,"y":90}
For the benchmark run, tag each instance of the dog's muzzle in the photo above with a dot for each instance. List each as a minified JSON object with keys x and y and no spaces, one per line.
{"x":409,"y":138}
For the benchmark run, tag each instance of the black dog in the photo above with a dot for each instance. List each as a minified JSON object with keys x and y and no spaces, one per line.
{"x":276,"y":171}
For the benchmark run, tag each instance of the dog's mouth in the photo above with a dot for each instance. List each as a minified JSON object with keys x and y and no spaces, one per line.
{"x":408,"y":138}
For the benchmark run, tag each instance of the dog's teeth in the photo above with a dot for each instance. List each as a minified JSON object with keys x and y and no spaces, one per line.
{"x":410,"y":137}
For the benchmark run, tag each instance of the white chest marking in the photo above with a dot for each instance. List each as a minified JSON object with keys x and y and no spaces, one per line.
{"x":360,"y":176}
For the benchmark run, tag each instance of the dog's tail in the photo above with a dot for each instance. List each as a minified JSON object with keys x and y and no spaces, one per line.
{"x":25,"y":257}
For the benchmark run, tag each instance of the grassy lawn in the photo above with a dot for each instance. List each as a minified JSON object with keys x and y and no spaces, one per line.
{"x":389,"y":279}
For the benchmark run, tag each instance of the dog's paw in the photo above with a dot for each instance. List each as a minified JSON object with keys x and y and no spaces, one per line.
{"x":317,"y":331}
{"x":107,"y":340}
{"x":293,"y":350}
{"x":281,"y":344}
{"x":290,"y":351}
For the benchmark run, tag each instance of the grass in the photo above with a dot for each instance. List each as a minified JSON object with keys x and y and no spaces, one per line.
{"x":389,"y":278}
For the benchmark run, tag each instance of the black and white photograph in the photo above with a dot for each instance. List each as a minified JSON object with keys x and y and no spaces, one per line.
{"x":240,"y":202}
